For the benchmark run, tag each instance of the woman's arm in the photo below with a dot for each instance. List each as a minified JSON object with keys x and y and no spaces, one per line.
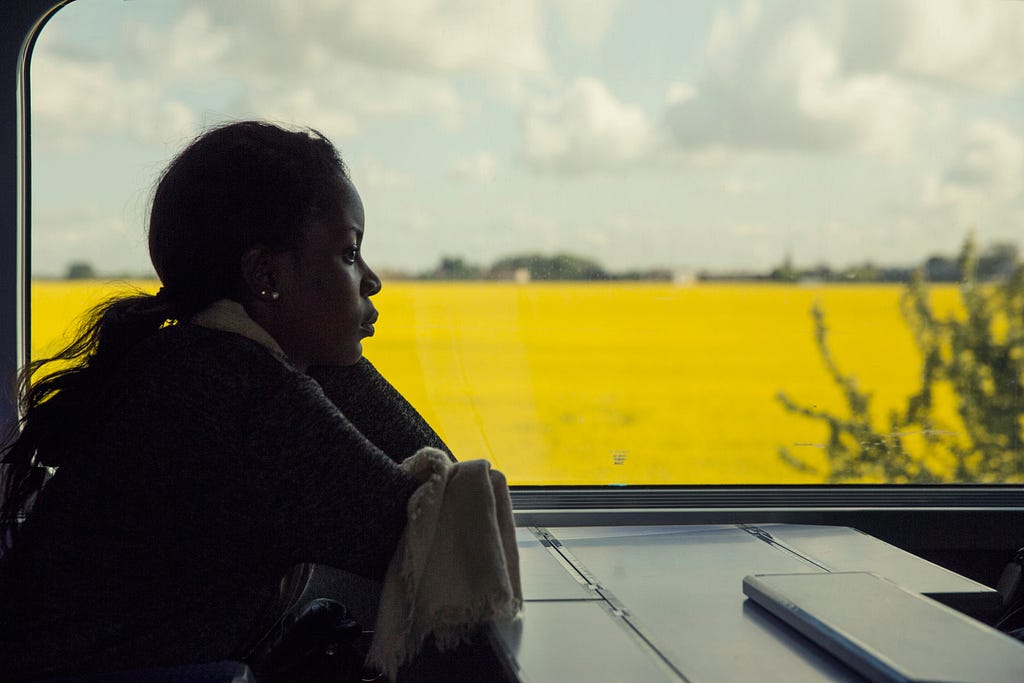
{"x":376,"y":409}
{"x":239,"y":453}
{"x":334,"y":497}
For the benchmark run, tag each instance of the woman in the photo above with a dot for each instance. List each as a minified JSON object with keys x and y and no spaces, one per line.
{"x":210,"y":437}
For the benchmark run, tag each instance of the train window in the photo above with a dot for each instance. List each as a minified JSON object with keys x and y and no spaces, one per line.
{"x":704,"y":242}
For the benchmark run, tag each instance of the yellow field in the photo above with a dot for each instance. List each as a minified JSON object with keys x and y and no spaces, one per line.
{"x":615,"y":383}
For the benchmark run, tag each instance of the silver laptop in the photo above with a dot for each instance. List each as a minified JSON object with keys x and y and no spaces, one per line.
{"x":885,"y":632}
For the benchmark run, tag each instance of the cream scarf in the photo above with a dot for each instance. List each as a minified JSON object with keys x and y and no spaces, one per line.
{"x":456,"y":566}
{"x":230,"y":316}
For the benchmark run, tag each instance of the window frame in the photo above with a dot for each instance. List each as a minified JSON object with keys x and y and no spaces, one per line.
{"x":941,"y":519}
{"x":20,"y":25}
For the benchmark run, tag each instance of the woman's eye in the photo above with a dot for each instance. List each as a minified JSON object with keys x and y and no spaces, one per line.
{"x":350,"y":255}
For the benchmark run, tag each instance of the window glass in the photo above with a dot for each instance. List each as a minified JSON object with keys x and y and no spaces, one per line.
{"x":622,"y":242}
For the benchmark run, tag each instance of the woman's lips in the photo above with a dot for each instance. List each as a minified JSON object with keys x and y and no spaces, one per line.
{"x":367,"y":325}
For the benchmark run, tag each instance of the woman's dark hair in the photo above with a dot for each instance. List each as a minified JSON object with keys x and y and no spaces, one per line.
{"x":233,"y":187}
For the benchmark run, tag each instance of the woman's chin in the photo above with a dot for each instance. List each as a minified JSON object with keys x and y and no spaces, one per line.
{"x":351,"y":357}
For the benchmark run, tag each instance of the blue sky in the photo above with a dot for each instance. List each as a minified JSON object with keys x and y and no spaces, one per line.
{"x":687,"y":135}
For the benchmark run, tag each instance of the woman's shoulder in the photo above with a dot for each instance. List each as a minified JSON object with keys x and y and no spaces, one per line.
{"x":191,"y":376}
{"x":192,"y":353}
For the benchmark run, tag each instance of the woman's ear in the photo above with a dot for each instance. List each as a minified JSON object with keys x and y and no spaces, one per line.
{"x":259,"y":271}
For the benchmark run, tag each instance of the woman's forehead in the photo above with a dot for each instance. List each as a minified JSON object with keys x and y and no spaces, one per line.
{"x":352,"y":204}
{"x":338,"y":226}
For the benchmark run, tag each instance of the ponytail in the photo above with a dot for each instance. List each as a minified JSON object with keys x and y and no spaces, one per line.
{"x":242,"y":184}
{"x":56,"y":408}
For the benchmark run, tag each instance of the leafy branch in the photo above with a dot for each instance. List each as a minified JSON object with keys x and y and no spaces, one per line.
{"x":978,"y":357}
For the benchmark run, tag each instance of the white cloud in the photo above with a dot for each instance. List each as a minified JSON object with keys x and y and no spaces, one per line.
{"x":592,"y":238}
{"x":730,"y":33}
{"x":190,"y":46}
{"x":300,"y":104}
{"x":587,"y":21}
{"x":745,"y":230}
{"x":73,"y":101}
{"x":85,"y":231}
{"x":330,"y":104}
{"x":340,"y":65}
{"x":735,"y":186}
{"x":779,"y":82}
{"x":371,"y":173}
{"x":774,"y":81}
{"x":988,"y":170}
{"x":479,"y":168}
{"x":446,"y":36}
{"x":585,"y":128}
{"x":420,"y":220}
{"x":977,"y":44}
{"x":677,"y":93}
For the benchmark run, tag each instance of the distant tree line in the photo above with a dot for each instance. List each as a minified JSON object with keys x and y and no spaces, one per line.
{"x":523,"y":267}
{"x":84,"y":270}
{"x":996,"y":261}
{"x":80,"y":270}
{"x":535,"y":267}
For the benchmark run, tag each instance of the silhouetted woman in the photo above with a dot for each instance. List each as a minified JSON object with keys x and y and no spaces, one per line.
{"x":208,"y":438}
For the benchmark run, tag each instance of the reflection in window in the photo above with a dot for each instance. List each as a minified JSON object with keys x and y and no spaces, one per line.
{"x":622,"y":242}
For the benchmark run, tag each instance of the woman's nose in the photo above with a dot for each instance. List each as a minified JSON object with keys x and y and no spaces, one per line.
{"x":371,"y":283}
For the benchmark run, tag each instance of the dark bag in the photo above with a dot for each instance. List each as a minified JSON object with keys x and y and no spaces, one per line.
{"x":1011,"y":589}
{"x":316,"y":642}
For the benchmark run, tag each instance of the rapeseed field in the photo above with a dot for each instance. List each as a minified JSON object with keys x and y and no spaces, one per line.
{"x":614,"y":383}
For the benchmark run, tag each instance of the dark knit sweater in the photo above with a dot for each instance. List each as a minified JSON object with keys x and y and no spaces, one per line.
{"x":211,"y":468}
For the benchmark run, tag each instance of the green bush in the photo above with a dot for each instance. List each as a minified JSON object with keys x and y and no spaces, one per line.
{"x":978,"y":356}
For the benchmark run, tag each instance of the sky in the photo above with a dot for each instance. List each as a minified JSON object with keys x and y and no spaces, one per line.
{"x":696,"y":135}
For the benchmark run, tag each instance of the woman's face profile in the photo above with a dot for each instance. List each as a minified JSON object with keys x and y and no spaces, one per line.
{"x":324,"y":309}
